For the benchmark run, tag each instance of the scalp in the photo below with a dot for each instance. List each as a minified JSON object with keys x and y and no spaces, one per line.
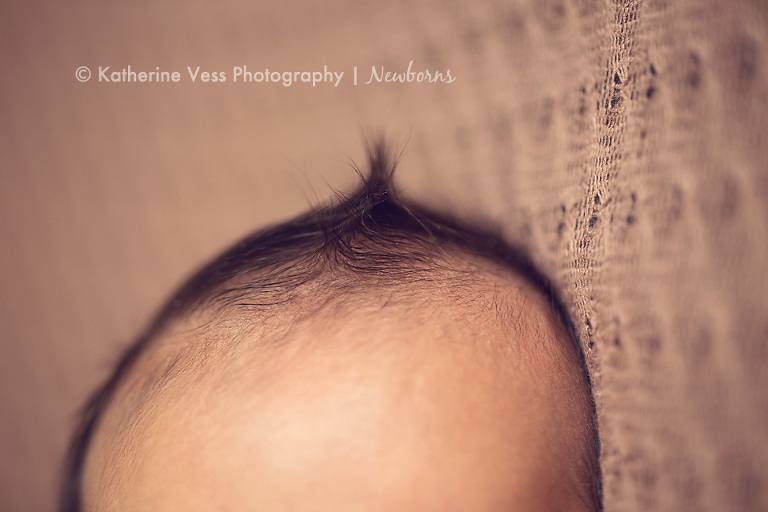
{"x":383,"y":346}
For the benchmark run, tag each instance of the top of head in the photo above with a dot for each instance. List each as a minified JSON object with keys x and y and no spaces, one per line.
{"x":371,"y":269}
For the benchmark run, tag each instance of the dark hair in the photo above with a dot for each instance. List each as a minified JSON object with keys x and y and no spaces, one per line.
{"x":371,"y":233}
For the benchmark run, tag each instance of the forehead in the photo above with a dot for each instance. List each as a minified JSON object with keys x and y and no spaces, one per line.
{"x":401,"y":405}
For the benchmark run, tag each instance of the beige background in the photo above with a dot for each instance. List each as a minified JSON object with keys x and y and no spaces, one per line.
{"x":622,"y":142}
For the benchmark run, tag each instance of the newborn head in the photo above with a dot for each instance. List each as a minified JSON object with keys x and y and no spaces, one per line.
{"x":366,"y":356}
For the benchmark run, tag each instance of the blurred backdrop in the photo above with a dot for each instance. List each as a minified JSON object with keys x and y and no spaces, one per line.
{"x":621,"y":142}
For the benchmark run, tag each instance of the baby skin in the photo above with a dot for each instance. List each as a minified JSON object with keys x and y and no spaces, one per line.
{"x":411,"y":402}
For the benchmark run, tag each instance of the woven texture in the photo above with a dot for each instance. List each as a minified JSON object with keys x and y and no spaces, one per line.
{"x":622,"y":143}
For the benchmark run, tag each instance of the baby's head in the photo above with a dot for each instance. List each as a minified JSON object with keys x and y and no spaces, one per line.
{"x":365,"y":356}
